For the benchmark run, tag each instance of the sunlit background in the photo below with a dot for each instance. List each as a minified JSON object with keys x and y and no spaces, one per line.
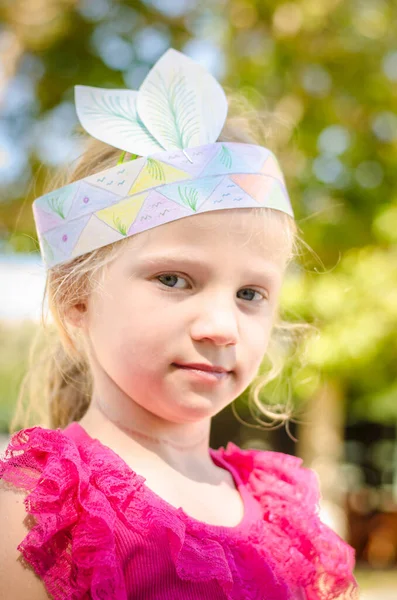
{"x":325,"y":74}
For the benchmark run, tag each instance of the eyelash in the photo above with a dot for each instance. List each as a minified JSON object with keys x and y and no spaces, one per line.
{"x":264,"y":297}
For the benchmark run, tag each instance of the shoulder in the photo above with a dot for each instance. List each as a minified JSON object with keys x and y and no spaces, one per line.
{"x":65,"y":527}
{"x":17,"y":579}
{"x":21,"y":467}
{"x":33,"y":474}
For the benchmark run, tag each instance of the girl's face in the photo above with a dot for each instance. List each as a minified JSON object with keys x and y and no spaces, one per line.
{"x":202,"y":289}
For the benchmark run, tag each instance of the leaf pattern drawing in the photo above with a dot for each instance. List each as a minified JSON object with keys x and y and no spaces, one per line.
{"x":56,"y":204}
{"x":120,"y":226}
{"x":155,"y":169}
{"x":121,"y":117}
{"x":189,"y":196}
{"x":173,"y":110}
{"x":226,"y":157}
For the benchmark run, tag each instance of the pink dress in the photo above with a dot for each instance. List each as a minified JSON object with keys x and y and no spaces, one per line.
{"x":99,"y":532}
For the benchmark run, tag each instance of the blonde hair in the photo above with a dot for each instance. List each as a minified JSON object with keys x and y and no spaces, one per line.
{"x":58,"y":382}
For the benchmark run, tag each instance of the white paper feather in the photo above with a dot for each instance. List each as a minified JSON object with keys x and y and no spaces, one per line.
{"x":111,"y":116}
{"x":179,"y":105}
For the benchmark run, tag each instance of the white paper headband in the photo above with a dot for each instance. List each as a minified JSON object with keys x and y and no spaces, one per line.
{"x":172,"y":122}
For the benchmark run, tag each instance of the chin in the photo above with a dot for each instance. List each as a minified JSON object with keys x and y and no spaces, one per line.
{"x":196,"y":411}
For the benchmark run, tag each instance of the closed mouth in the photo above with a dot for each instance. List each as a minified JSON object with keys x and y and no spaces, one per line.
{"x":203,"y":367}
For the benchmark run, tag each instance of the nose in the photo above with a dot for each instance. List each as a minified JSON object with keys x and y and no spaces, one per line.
{"x":216,"y":320}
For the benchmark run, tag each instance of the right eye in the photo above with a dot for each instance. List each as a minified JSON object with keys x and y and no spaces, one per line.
{"x":169,"y":278}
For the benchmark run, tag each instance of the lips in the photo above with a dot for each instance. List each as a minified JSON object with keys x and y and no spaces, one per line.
{"x":203,"y":374}
{"x":203,"y":367}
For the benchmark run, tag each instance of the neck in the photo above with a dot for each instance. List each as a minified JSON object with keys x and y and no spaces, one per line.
{"x":131,"y":431}
{"x":154,"y":440}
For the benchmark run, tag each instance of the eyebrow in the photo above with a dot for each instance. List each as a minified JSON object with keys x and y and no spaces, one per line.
{"x":268,"y":269}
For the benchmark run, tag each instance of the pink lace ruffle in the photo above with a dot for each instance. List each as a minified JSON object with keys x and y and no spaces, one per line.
{"x":77,"y":492}
{"x":307,"y":553}
{"x":73,"y":538}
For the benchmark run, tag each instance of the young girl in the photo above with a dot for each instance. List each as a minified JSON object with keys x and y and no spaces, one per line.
{"x":164,"y":278}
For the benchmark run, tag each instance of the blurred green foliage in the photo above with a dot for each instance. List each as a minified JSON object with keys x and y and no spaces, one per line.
{"x":326,"y":75}
{"x":14,"y":354}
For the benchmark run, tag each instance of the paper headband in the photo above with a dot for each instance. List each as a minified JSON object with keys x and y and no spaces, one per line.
{"x":177,"y":114}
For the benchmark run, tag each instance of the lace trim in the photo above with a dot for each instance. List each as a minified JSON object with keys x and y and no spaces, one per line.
{"x":72,"y":546}
{"x":76,"y":494}
{"x":306,"y":552}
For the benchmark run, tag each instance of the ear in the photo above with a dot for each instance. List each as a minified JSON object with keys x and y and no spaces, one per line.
{"x":76,"y":314}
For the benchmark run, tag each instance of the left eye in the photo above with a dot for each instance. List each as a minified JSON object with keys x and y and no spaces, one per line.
{"x":169,"y":278}
{"x":252,"y":294}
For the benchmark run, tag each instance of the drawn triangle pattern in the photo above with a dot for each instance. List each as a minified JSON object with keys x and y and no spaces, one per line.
{"x":199,"y":159}
{"x":89,"y":196}
{"x":64,"y":238}
{"x":191,"y":194}
{"x":122,"y":215}
{"x":118,"y":179}
{"x":46,"y":220}
{"x":278,"y":198}
{"x":227,"y":161}
{"x":256,"y":186}
{"x":272,"y":168}
{"x":155,"y":173}
{"x":58,"y":202}
{"x":98,"y":230}
{"x":156,"y":210}
{"x":227,"y":195}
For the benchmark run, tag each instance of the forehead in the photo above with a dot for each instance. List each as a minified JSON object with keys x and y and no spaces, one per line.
{"x":241,"y":232}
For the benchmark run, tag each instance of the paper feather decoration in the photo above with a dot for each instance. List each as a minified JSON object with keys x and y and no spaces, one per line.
{"x":173,"y":123}
{"x":178,"y":106}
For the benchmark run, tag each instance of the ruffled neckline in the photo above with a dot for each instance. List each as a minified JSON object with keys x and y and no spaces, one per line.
{"x":79,"y":488}
{"x":252,"y":509}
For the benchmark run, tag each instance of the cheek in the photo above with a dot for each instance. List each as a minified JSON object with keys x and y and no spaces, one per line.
{"x":125,"y":336}
{"x":256,"y":344}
